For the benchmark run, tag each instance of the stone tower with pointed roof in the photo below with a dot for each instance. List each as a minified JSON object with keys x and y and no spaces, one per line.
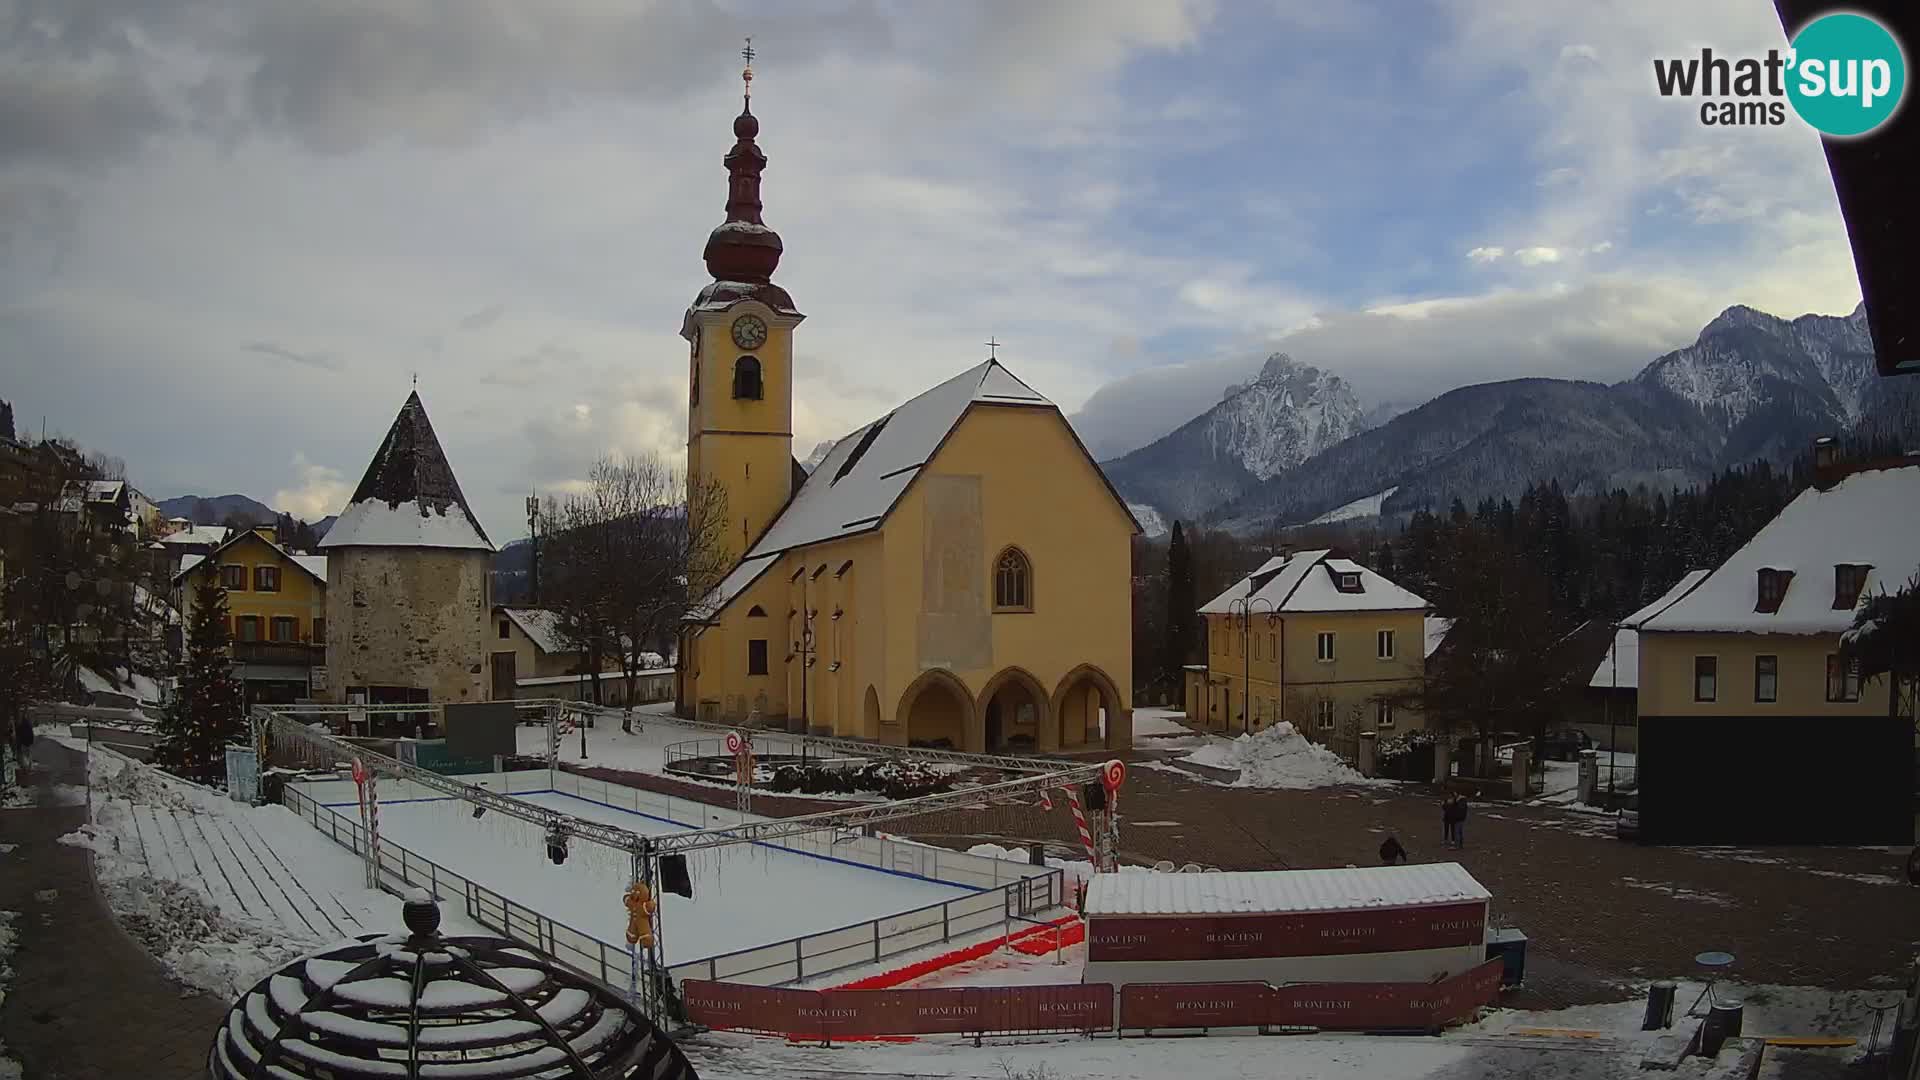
{"x":956,"y":572}
{"x":408,"y":578}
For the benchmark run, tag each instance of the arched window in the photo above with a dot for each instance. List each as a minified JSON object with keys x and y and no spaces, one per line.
{"x":756,"y":612}
{"x":746,"y":378}
{"x":1012,"y":581}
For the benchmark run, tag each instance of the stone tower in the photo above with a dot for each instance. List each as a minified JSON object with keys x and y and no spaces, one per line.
{"x":408,"y":588}
{"x":740,"y":375}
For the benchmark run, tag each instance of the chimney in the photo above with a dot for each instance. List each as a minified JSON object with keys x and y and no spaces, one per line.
{"x":269,"y":533}
{"x":1826,"y":456}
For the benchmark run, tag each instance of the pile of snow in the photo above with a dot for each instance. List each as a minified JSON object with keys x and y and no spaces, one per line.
{"x":1278,"y":757}
{"x":1077,"y":871}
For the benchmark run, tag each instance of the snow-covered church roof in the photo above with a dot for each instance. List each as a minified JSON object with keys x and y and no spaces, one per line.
{"x":1308,"y":581}
{"x":867,"y":471}
{"x":408,"y":497}
{"x":1870,"y":518}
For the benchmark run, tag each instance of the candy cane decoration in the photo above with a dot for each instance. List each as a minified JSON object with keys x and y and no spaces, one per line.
{"x":1080,"y":823}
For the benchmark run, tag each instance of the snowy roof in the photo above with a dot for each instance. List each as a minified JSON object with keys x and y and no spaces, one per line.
{"x":210,"y":535}
{"x":1436,"y":633}
{"x":188,"y":562}
{"x":1871,"y":517}
{"x":312,"y":564}
{"x":1275,"y":891}
{"x":856,"y":485}
{"x":1301,"y":582}
{"x":542,"y":627}
{"x":1625,"y":650}
{"x":409,"y":496}
{"x":105,"y":490}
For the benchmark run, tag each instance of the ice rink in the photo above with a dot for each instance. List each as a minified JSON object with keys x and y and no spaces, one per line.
{"x":744,"y":895}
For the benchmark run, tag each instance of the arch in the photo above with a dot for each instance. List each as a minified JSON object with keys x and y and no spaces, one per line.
{"x":1012,"y":580}
{"x":937,"y":706}
{"x":998,"y":707}
{"x":746,"y":378}
{"x":870,"y":714}
{"x":1076,"y":699}
{"x":756,"y":612}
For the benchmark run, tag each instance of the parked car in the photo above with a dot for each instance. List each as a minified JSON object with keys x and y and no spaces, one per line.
{"x":1626,"y":822}
{"x":1564,"y":745}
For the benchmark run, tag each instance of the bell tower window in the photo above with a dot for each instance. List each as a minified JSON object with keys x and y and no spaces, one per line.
{"x":746,"y":378}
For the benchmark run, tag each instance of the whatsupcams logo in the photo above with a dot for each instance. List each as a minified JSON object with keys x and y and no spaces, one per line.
{"x":1844,"y":74}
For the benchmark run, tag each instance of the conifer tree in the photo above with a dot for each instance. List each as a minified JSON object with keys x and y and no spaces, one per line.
{"x":1182,"y":604}
{"x":207,"y":711}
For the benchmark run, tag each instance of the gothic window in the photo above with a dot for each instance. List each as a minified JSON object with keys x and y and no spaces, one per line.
{"x":746,"y":378}
{"x":1012,"y":582}
{"x":756,"y":612}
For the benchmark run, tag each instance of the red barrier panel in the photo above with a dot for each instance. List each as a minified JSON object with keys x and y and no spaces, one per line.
{"x":814,"y":1014}
{"x":1313,"y":933}
{"x":1330,"y":1006}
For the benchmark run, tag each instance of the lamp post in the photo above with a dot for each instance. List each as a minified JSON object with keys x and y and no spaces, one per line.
{"x":1244,"y":609}
{"x":1613,"y":737}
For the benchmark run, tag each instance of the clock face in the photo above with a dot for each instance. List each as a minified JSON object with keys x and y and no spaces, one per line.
{"x":749,"y":332}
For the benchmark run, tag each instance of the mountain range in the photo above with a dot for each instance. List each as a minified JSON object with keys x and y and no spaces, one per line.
{"x":219,"y":509}
{"x":1293,"y":446}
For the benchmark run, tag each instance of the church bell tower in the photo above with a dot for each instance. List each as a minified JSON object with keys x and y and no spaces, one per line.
{"x":739,"y":330}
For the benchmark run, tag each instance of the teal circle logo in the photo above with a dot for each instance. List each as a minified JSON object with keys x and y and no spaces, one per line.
{"x":1846,"y":75}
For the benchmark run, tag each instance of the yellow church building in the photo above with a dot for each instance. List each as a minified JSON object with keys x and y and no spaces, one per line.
{"x":955,"y":573}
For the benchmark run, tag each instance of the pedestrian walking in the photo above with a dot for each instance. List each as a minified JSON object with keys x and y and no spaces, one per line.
{"x":1446,"y":821}
{"x":1391,"y":852}
{"x":1460,"y":823}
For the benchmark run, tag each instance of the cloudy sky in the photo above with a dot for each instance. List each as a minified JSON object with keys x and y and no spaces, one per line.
{"x":232,"y":231}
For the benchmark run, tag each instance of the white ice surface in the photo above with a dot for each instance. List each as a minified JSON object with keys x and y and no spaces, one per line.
{"x":744,"y":895}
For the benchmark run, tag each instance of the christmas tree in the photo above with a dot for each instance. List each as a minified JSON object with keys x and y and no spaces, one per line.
{"x":207,"y":712}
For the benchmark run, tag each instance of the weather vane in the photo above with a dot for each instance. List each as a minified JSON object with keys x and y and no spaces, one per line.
{"x":746,"y":74}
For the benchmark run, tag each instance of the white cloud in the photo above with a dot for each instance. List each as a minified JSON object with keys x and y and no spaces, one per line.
{"x":1534,"y":256}
{"x":1487,"y":254}
{"x":318,"y":491}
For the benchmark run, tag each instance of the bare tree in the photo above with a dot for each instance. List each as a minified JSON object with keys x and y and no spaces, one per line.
{"x":627,"y":556}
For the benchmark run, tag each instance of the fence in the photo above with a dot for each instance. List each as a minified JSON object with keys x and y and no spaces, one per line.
{"x":765,"y":745}
{"x":1004,"y":891}
{"x":1352,"y":1006}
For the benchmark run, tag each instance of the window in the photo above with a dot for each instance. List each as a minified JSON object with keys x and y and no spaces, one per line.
{"x":1384,"y":641}
{"x":756,"y":612}
{"x":505,"y":631}
{"x":1766,"y":678}
{"x":1772,"y":589}
{"x":247,"y":628}
{"x":746,"y":378}
{"x":233,"y":578}
{"x":1323,"y":715}
{"x":1256,"y":646}
{"x":1273,"y":646}
{"x":1843,"y":679}
{"x":319,"y":631}
{"x":283,"y":628}
{"x":1382,"y":714}
{"x":1323,"y":646}
{"x":1706,"y":678}
{"x":1349,"y":582}
{"x":1848,"y":580}
{"x":757,"y":656}
{"x":1013,"y":582}
{"x":266,"y":579}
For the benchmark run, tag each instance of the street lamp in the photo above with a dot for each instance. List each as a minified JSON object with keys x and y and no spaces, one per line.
{"x":1244,"y":609}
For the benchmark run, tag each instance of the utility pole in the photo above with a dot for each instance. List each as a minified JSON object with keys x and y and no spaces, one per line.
{"x":533,"y":537}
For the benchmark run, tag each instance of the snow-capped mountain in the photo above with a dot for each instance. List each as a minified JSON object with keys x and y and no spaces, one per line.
{"x":812,"y":461}
{"x":1285,"y":415}
{"x":1750,"y":386}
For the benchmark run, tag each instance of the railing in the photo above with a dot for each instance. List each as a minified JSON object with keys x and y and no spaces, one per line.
{"x":764,"y":745}
{"x":1032,"y":891}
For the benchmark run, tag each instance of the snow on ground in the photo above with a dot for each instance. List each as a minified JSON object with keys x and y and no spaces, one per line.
{"x":220,"y":892}
{"x":744,"y":895}
{"x":645,"y":749}
{"x":1164,"y":729}
{"x":1278,"y":757}
{"x":1364,"y":507}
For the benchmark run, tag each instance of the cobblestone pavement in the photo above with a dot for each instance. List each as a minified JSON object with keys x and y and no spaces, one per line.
{"x":1603,"y":917}
{"x":87,"y":1003}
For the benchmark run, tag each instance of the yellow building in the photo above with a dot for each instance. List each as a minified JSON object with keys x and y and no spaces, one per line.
{"x":954,"y":573}
{"x":529,"y":657}
{"x":1330,"y":647}
{"x":1752,"y":729}
{"x":276,"y":611}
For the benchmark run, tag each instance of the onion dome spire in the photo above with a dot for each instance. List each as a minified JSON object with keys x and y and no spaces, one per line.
{"x":742,"y":248}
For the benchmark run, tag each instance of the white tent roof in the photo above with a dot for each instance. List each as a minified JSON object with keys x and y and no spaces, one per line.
{"x":1871,"y":517}
{"x":1301,"y":582}
{"x":1281,"y":891}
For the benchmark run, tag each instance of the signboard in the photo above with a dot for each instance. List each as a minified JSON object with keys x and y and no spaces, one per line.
{"x":1328,"y":1006}
{"x":317,"y":678}
{"x":243,"y":774}
{"x":856,"y":1013}
{"x":1313,"y":933}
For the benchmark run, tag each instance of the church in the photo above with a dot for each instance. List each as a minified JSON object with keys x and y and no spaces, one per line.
{"x":956,"y":573}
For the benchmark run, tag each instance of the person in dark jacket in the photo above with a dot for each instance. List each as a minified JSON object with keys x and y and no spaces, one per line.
{"x":1391,"y":852}
{"x":1447,"y":818}
{"x":1460,"y":821}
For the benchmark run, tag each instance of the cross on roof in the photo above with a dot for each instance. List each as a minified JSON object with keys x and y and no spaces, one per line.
{"x":746,"y":74}
{"x":993,"y":349}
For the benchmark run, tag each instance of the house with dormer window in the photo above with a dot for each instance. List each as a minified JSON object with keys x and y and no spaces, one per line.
{"x":1315,"y":640}
{"x":1753,"y":729}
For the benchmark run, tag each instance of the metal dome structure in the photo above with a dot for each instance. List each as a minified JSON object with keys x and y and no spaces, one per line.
{"x":420,"y":1005}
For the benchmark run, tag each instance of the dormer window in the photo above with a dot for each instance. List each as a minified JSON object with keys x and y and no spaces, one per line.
{"x":1848,"y":581}
{"x":1772,"y":589}
{"x":1349,"y":582}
